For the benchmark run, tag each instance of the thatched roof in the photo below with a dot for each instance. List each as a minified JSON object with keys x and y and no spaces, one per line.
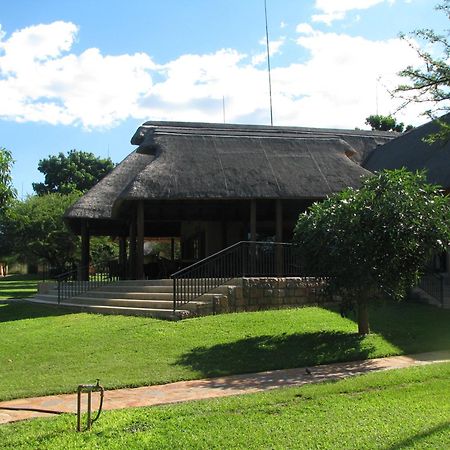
{"x":410,"y":151}
{"x":187,"y":161}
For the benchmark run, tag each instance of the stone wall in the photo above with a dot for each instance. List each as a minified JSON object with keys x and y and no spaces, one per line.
{"x":254,"y":294}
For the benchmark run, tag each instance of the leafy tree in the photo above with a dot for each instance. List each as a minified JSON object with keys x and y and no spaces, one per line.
{"x":34,"y":230}
{"x":376,"y":240}
{"x":103,"y":249}
{"x":7,"y":192}
{"x":78,"y":171}
{"x":385,"y":123}
{"x":429,"y":83}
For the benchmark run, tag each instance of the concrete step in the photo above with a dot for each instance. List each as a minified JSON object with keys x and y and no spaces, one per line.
{"x":124,"y":302}
{"x":160,"y":282}
{"x":127,"y":294}
{"x":160,"y":313}
{"x":130,"y":288}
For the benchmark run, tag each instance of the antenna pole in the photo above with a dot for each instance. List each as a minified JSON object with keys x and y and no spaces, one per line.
{"x":223,"y":107}
{"x":268,"y":64}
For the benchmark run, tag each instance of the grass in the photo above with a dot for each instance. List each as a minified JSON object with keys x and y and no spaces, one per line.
{"x":18,"y":286}
{"x":46,"y":350}
{"x":398,"y":409}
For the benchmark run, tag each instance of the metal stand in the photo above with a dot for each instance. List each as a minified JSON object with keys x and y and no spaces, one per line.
{"x":89,"y":389}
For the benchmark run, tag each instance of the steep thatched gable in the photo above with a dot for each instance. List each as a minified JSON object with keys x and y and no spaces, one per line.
{"x":409,"y":150}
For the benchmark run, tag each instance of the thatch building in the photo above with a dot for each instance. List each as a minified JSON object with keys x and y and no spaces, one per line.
{"x":211,"y":185}
{"x":411,"y":150}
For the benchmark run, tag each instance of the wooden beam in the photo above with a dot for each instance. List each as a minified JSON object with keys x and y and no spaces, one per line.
{"x":85,"y":250}
{"x":253,"y":220}
{"x":140,"y":241}
{"x":122,"y":255}
{"x":278,"y":220}
{"x":279,"y":237}
{"x":132,"y":251}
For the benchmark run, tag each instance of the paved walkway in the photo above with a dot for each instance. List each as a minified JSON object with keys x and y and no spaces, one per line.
{"x":181,"y":391}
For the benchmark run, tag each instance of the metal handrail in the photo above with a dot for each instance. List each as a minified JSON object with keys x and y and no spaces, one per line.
{"x":99,"y":274}
{"x":205,"y":260}
{"x":245,"y":258}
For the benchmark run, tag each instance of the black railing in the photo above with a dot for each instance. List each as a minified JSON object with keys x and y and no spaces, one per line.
{"x":74,"y":282}
{"x":243,"y":259}
{"x":433,"y":285}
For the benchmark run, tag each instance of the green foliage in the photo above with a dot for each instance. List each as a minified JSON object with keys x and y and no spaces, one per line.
{"x":78,"y":171}
{"x":103,"y":249}
{"x":7,"y":192}
{"x":385,"y":123}
{"x":375,"y":239}
{"x":429,"y":83}
{"x":34,"y":230}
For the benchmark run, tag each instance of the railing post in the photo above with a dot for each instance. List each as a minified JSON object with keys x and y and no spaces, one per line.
{"x":59,"y":291}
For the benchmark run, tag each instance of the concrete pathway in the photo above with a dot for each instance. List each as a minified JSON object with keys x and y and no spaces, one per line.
{"x":28,"y":408}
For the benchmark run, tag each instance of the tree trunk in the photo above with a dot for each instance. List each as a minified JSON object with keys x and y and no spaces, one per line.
{"x":363,"y":318}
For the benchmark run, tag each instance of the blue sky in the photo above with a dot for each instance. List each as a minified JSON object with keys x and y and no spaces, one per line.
{"x":85,"y":74}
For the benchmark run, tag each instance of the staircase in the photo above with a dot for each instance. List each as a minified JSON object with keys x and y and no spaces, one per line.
{"x":153,"y":298}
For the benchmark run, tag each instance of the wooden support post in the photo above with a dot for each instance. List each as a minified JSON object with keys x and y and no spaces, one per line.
{"x":279,"y":237}
{"x":172,"y":249}
{"x":84,"y":263}
{"x":250,"y":269}
{"x":223,"y":225}
{"x":140,"y":241}
{"x":132,"y":251}
{"x":253,"y":220}
{"x":122,"y":256}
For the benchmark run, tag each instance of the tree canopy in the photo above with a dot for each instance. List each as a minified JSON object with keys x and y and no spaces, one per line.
{"x":34,"y":230}
{"x":78,"y":171}
{"x":430,"y":83}
{"x":386,"y":123}
{"x":375,"y":240}
{"x":7,"y":192}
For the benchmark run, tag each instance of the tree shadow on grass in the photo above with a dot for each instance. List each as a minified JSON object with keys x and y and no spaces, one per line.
{"x":284,"y":351}
{"x":19,"y":310}
{"x":411,"y":327}
{"x":415,"y":440}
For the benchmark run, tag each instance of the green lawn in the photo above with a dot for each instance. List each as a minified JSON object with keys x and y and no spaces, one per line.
{"x":45,"y":350}
{"x":399,"y":409}
{"x":18,"y":286}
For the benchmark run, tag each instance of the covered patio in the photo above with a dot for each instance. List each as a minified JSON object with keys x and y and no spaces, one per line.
{"x":211,"y":185}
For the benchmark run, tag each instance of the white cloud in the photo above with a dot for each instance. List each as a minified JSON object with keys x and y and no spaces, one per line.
{"x":336,"y":86}
{"x":336,"y":9}
{"x":305,"y":28}
{"x":41,"y":81}
{"x":274,"y":47}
